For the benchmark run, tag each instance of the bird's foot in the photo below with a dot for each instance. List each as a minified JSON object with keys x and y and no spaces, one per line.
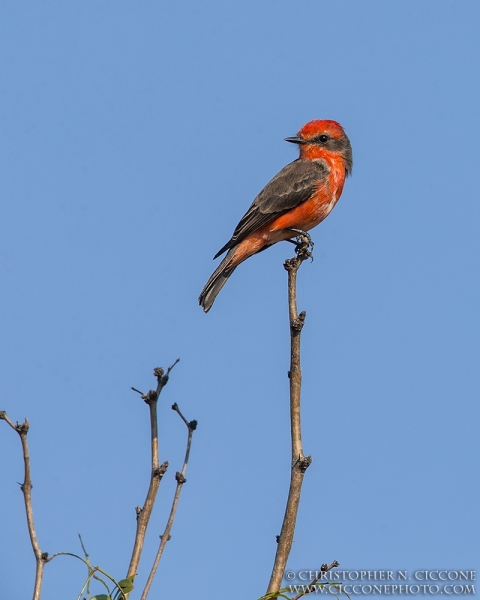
{"x":303,"y":244}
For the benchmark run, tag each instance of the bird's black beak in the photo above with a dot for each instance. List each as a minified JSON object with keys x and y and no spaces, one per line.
{"x":296,"y":140}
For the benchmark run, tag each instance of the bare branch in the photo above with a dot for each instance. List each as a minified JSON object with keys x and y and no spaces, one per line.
{"x":300,"y":462}
{"x":311,"y":588}
{"x":143,"y":514}
{"x":40,"y":557}
{"x":180,"y":477}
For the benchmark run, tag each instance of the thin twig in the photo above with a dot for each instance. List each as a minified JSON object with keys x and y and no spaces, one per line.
{"x":87,"y":559}
{"x":92,"y":571}
{"x":180,"y":477}
{"x":143,"y":514}
{"x":300,"y":462}
{"x":311,"y":587}
{"x":40,"y":557}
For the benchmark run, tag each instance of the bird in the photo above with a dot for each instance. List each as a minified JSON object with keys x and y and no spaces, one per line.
{"x":297,"y":199}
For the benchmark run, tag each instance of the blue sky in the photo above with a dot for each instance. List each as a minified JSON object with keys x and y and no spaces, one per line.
{"x":133,"y":138}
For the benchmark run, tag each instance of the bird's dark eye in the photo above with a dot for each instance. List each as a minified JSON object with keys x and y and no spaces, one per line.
{"x":323,"y":138}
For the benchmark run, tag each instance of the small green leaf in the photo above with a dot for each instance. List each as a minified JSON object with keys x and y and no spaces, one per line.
{"x":101,"y":597}
{"x":127,"y":581}
{"x":126,"y":585}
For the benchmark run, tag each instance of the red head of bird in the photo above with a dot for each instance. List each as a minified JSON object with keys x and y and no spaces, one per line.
{"x":326,"y":140}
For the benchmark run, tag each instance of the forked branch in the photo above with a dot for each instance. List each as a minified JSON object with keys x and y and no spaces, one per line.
{"x":158,"y":470}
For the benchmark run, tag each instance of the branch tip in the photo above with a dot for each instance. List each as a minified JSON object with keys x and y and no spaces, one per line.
{"x":161,"y":376}
{"x":22,"y":428}
{"x":192,"y":425}
{"x":312,"y":586}
{"x":171,"y":366}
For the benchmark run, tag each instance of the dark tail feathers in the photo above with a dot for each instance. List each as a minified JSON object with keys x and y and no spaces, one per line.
{"x":216,"y":282}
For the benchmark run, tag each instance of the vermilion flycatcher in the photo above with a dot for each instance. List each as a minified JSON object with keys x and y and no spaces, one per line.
{"x":295,"y":200}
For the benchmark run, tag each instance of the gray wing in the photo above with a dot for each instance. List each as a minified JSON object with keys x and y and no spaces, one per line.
{"x":293,"y":185}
